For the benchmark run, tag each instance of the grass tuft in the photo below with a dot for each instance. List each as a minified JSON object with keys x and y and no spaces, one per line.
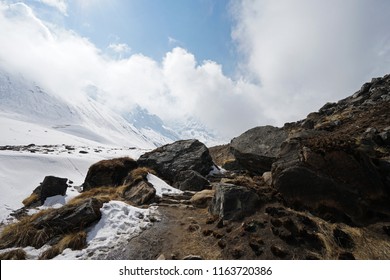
{"x":17,"y":254}
{"x":73,"y":241}
{"x":33,"y":198}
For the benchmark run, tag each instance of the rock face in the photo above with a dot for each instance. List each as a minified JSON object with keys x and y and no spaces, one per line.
{"x":108,"y":173}
{"x":233,"y":202}
{"x":190,"y":180}
{"x":169,"y":160}
{"x":339,"y":186}
{"x":258,"y":148}
{"x":51,"y":186}
{"x":340,"y":168}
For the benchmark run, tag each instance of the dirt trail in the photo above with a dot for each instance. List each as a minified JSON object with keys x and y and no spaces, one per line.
{"x":177,"y":235}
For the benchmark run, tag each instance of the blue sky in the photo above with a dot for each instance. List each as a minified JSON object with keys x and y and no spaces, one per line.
{"x":232,"y":65}
{"x":152,"y":28}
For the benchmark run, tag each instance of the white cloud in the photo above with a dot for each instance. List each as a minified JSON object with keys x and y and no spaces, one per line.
{"x":119,"y":48}
{"x":297,"y":57}
{"x":177,"y":87}
{"x":305,"y":53}
{"x":60,"y":5}
{"x":173,"y":41}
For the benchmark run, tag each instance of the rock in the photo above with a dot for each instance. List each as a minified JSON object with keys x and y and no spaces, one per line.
{"x":203,"y":198}
{"x":267,"y":177}
{"x":258,"y":148}
{"x":169,"y":160}
{"x":70,"y":217}
{"x":108,"y":173}
{"x":192,"y":257}
{"x":190,"y":180}
{"x":140,"y":194}
{"x":233,"y":202}
{"x":161,"y":257}
{"x":51,"y":186}
{"x":279,"y":252}
{"x":237,"y":253}
{"x":343,"y":186}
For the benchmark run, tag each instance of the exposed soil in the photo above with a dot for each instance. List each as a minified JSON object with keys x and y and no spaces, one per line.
{"x":177,"y":235}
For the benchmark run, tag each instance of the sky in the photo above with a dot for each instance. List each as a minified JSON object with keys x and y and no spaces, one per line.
{"x":232,"y":65}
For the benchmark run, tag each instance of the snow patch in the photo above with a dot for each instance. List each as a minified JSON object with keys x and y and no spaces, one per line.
{"x":161,"y":186}
{"x":119,"y":223}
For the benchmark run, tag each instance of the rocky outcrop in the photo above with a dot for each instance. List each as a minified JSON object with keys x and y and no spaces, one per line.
{"x":169,"y":160}
{"x":339,"y":186}
{"x":232,"y":202}
{"x":258,"y":148}
{"x":108,"y":173}
{"x":340,"y":169}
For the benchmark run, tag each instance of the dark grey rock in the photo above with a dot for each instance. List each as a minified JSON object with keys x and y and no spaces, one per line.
{"x":337,"y":186}
{"x":232,"y":202}
{"x":190,"y":180}
{"x":169,"y":160}
{"x":70,"y":217}
{"x":258,"y":148}
{"x":51,"y":186}
{"x":140,"y":194}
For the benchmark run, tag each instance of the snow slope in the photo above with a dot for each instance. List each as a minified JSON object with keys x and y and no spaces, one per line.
{"x":21,"y":171}
{"x":84,"y":117}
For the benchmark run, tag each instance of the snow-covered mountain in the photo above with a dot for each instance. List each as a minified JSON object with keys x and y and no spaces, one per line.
{"x":149,"y":124}
{"x":28,"y":112}
{"x":191,"y":128}
{"x":26,"y":108}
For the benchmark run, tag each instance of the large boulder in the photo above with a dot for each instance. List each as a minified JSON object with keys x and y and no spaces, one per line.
{"x":108,"y":173}
{"x":339,"y":184}
{"x":258,"y":148}
{"x":232,"y":202}
{"x":169,"y":160}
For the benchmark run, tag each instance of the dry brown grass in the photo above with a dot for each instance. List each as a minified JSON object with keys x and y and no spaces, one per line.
{"x":17,"y":254}
{"x":138,"y":174}
{"x":134,"y":177}
{"x":104,"y":194}
{"x":73,"y":241}
{"x":33,"y":198}
{"x":23,"y":233}
{"x":110,"y":163}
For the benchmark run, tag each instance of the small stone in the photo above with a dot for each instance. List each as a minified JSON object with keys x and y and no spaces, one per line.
{"x":222,"y":243}
{"x":278,"y":252}
{"x":192,"y":257}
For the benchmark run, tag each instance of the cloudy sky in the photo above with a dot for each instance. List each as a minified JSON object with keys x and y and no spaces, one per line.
{"x":231,"y":64}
